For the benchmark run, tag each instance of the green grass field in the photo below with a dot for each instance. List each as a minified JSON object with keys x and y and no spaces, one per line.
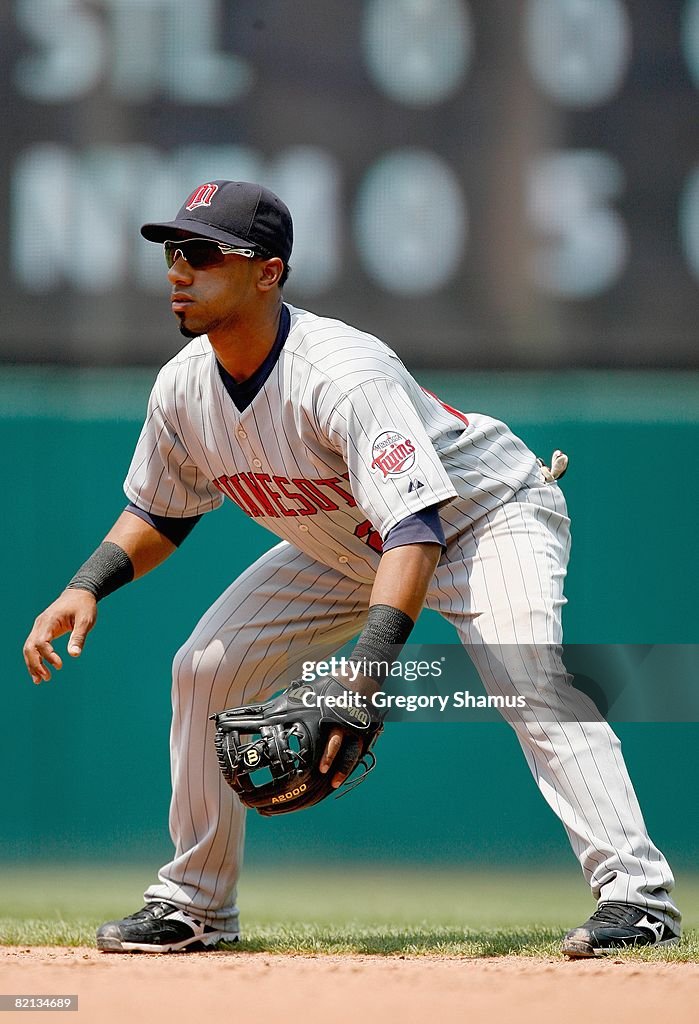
{"x":420,"y":911}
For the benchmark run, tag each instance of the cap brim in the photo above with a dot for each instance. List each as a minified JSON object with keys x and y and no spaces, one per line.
{"x":186,"y":228}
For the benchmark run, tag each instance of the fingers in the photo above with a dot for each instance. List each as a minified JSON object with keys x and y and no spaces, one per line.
{"x":35,"y":653}
{"x":347,"y":761}
{"x":77,"y":639}
{"x":332,"y":749}
{"x":349,"y":754}
{"x":74,"y":612}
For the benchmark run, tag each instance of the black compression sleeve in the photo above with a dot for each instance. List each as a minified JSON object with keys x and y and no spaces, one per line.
{"x":381,"y":641}
{"x":107,"y":569}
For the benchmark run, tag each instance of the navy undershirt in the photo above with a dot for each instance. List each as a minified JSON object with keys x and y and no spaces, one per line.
{"x":174,"y":528}
{"x":423,"y":527}
{"x":242,"y":393}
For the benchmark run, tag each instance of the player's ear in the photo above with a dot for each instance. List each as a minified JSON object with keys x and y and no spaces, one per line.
{"x":270,"y":272}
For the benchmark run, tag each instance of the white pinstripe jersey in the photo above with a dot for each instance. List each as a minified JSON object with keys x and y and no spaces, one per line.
{"x":339,"y":445}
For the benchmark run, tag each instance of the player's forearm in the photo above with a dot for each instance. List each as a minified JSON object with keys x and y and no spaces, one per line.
{"x":404,"y":576}
{"x":145,"y":546}
{"x":397,"y":597}
{"x":131,"y":548}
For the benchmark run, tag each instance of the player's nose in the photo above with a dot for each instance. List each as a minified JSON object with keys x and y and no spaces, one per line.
{"x":180,"y":271}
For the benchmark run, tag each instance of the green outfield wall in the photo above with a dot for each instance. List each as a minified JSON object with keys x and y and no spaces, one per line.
{"x":85,"y":757}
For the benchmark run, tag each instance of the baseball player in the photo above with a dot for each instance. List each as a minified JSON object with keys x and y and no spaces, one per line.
{"x":384,"y":500}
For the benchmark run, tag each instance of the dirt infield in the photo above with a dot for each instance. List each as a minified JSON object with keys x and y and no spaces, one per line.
{"x":205,"y":987}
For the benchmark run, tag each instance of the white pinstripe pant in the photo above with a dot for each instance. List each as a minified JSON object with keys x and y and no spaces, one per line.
{"x":501,"y":586}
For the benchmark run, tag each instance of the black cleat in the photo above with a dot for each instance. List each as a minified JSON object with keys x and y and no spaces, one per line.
{"x":615,"y":926}
{"x":160,"y":928}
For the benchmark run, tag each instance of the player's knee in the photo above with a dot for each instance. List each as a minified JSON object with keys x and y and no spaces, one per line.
{"x":204,"y":665}
{"x":182,"y":663}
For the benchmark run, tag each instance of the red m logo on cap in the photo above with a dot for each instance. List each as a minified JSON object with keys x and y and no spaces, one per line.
{"x":202,"y":196}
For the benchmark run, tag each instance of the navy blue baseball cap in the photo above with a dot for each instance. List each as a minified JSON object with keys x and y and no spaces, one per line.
{"x":235,"y":212}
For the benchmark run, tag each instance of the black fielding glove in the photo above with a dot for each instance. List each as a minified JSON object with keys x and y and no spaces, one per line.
{"x":287,"y":735}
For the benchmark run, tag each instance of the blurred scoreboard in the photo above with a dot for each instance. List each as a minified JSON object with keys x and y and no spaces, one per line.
{"x":479,"y":182}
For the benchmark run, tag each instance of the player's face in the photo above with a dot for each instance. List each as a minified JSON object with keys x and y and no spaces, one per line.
{"x":216,"y":298}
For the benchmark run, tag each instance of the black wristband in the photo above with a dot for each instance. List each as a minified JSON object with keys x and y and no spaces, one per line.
{"x":381,"y":641}
{"x":107,"y":569}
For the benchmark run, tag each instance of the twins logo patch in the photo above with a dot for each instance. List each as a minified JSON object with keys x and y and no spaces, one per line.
{"x":202,"y":196}
{"x":392,"y":454}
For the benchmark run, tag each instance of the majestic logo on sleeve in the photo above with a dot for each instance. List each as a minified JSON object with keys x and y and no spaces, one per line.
{"x":392,"y":454}
{"x":202,"y":196}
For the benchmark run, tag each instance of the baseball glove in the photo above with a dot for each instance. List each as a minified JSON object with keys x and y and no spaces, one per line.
{"x":283,"y":740}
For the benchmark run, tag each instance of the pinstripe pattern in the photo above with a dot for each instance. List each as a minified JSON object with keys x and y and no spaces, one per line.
{"x":509,"y":619}
{"x":241,"y":650}
{"x":332,"y":393}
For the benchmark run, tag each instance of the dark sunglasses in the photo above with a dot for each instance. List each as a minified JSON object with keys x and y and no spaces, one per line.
{"x":204,"y":252}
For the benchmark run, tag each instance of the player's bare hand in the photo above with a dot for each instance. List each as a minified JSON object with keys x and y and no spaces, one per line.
{"x":347,"y":760}
{"x":74,"y":612}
